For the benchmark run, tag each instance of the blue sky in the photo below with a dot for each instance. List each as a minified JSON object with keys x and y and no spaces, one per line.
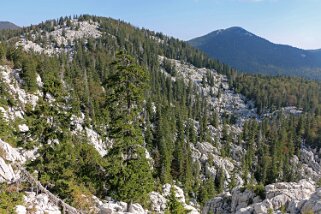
{"x":294,"y":22}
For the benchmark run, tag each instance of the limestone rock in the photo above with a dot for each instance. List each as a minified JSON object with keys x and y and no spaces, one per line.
{"x":95,"y":139}
{"x":40,"y":203}
{"x":241,"y":199}
{"x":21,"y":209}
{"x":113,"y":207}
{"x":158,"y":202}
{"x":10,"y":153}
{"x":23,"y":128}
{"x":246,"y":210}
{"x":220,"y":204}
{"x":311,"y":164}
{"x":313,"y":204}
{"x":295,"y":197}
{"x":6,"y":172}
{"x":63,"y":36}
{"x":11,"y":77}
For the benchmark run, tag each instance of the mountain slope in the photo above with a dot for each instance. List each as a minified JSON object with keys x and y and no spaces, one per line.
{"x":4,"y":25}
{"x":92,"y":122}
{"x":250,"y":53}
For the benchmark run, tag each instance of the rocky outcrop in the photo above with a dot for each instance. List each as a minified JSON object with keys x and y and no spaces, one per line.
{"x":63,"y":35}
{"x":6,"y":172}
{"x":78,"y":127}
{"x":242,"y":198}
{"x":39,"y":204}
{"x":313,"y":204}
{"x":310,"y":164}
{"x":11,"y":77}
{"x":95,"y":139}
{"x":62,"y":38}
{"x":228,"y":102}
{"x":208,"y":156}
{"x":220,"y":204}
{"x":292,"y":197}
{"x":159,"y":201}
{"x":23,"y":128}
{"x":11,"y":154}
{"x":117,"y":207}
{"x":288,"y":195}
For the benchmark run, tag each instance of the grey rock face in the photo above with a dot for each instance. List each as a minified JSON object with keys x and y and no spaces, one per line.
{"x":294,"y":197}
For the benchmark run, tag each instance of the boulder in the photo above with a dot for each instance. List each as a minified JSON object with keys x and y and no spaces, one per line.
{"x":40,"y":203}
{"x":205,"y":147}
{"x":113,"y":207}
{"x":241,"y":199}
{"x":137,"y":209}
{"x":260,"y":208}
{"x":23,"y":128}
{"x":179,"y":193}
{"x":158,"y":202}
{"x":166,"y":190}
{"x":105,"y":210}
{"x":95,"y":139}
{"x":10,"y":153}
{"x":246,"y":210}
{"x":190,"y":209}
{"x":21,"y":209}
{"x":6,"y":172}
{"x":313,"y":204}
{"x":220,"y":204}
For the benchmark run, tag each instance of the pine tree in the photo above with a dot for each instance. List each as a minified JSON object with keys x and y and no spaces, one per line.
{"x":178,"y":162}
{"x":2,"y":52}
{"x":173,"y":205}
{"x":203,"y":132}
{"x":165,"y":151}
{"x":29,"y":74}
{"x":219,"y":180}
{"x":215,"y":119}
{"x":188,"y":173}
{"x":191,"y":132}
{"x":129,"y":174}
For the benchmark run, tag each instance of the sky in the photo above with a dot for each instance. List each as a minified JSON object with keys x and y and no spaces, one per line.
{"x":293,"y":22}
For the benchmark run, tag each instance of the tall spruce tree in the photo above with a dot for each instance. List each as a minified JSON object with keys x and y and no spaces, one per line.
{"x":129,"y":173}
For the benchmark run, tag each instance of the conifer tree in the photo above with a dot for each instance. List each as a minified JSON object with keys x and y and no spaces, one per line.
{"x":29,"y":74}
{"x":173,"y":205}
{"x":129,"y":174}
{"x":2,"y":52}
{"x":165,"y":151}
{"x":219,"y":180}
{"x":178,"y":162}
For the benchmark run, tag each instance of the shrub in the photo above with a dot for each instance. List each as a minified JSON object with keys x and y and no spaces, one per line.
{"x":9,"y":198}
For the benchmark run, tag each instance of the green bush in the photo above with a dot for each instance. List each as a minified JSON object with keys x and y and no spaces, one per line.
{"x":9,"y":198}
{"x":258,"y":190}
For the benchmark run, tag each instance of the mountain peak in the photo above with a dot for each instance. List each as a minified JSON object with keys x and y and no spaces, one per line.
{"x":232,"y":30}
{"x":235,"y":28}
{"x":5,"y":25}
{"x":250,"y":53}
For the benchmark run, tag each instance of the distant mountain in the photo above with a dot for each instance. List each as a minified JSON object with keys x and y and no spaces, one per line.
{"x":253,"y":54}
{"x":8,"y":25}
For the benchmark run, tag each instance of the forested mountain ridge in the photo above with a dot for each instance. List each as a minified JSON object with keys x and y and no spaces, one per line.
{"x":252,"y":54}
{"x":4,"y":25}
{"x":112,"y":111}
